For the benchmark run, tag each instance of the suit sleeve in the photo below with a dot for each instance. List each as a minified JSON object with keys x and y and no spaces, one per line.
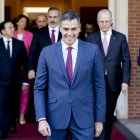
{"x":99,"y":86}
{"x":40,"y":87}
{"x":126,"y":61}
{"x":34,"y":52}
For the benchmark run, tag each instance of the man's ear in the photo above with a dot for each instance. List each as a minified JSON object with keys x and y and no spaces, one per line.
{"x":80,"y":25}
{"x":80,"y":28}
{"x":2,"y":31}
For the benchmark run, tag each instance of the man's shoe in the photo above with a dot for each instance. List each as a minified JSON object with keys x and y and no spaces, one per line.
{"x":3,"y":135}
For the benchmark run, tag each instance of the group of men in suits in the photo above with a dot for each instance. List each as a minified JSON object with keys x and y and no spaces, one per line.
{"x":11,"y":68}
{"x":69,"y":89}
{"x":62,"y":96}
{"x":76,"y":83}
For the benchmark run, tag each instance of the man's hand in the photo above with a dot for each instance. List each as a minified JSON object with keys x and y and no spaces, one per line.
{"x":98,"y":128}
{"x":31,"y":74}
{"x":124,"y":88}
{"x":44,"y":128}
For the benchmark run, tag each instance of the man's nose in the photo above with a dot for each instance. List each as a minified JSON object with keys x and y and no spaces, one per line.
{"x":69,"y":32}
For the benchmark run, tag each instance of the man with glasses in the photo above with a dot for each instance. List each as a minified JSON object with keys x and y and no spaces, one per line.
{"x":116,"y":62}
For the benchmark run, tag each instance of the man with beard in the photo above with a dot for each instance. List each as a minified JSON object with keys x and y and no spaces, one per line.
{"x":43,"y":37}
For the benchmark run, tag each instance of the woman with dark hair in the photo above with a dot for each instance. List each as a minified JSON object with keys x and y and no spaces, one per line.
{"x":21,"y":24}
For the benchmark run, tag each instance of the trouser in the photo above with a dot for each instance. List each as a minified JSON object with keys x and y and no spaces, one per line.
{"x":111,"y":100}
{"x":4,"y":115}
{"x":24,"y":100}
{"x":73,"y":131}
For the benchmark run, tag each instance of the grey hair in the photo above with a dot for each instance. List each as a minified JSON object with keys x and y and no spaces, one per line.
{"x":104,"y":11}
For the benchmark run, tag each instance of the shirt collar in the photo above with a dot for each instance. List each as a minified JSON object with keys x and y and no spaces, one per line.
{"x":6,"y":39}
{"x":56,"y":28}
{"x":74,"y":45}
{"x":109,"y":32}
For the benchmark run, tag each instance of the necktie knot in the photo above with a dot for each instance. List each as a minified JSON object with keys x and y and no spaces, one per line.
{"x":69,"y":49}
{"x":8,"y":41}
{"x":105,"y":33}
{"x":53,"y":31}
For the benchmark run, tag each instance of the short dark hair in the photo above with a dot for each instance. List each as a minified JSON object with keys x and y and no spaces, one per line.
{"x":2,"y":25}
{"x":54,"y":8}
{"x":70,"y":15}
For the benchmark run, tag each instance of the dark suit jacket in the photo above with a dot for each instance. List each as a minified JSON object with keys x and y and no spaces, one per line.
{"x":117,"y":62}
{"x":11,"y":68}
{"x":40,"y":39}
{"x":55,"y":98}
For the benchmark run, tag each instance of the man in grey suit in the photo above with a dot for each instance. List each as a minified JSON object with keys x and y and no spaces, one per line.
{"x":69,"y":90}
{"x":116,"y":62}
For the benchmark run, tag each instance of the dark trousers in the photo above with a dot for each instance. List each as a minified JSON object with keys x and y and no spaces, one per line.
{"x":4,"y":116}
{"x":30,"y":109}
{"x":14,"y":94}
{"x":111,"y":100}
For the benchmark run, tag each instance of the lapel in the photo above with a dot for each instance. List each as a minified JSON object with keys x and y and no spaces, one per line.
{"x":99,"y":42}
{"x":112,"y":42}
{"x":25,"y":37}
{"x":14,"y":48}
{"x":44,"y":36}
{"x":62,"y":64}
{"x":59,"y":36}
{"x":78,"y":60}
{"x":61,"y":60}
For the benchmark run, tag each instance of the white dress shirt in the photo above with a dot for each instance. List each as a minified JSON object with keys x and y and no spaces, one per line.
{"x":56,"y":33}
{"x":10,"y":44}
{"x":74,"y":52}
